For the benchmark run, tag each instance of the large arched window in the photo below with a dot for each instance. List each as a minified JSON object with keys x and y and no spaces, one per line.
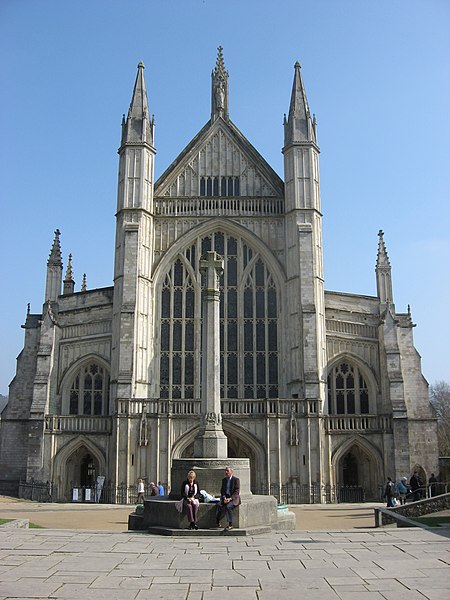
{"x":89,"y":392}
{"x":248,"y":323}
{"x":347,"y":391}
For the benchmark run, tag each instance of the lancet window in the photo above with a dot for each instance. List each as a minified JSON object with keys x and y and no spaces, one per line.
{"x":89,"y":392}
{"x":248,"y":323}
{"x":348,"y":393}
{"x":219,"y":186}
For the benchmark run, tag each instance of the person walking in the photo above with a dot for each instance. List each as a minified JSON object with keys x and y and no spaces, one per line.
{"x":140,"y":491}
{"x":402,"y":490}
{"x":389,"y":493}
{"x":153,"y":489}
{"x":432,"y":484}
{"x":416,"y":484}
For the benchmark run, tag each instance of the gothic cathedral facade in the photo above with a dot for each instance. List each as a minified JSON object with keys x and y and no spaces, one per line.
{"x":318,"y":388}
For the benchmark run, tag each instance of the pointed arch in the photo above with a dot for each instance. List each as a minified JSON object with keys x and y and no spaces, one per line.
{"x":229,"y":227}
{"x":251,"y":290}
{"x":67,"y":463}
{"x":365,"y":389}
{"x":240,"y":441}
{"x":68,"y":378}
{"x":366,"y":461}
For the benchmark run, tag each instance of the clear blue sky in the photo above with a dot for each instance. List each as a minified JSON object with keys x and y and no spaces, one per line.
{"x":376,"y":75}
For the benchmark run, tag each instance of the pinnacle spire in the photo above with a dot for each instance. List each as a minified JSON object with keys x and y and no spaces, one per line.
{"x":383,"y":272}
{"x":219,"y":88}
{"x":299,"y":127}
{"x":382,"y":256}
{"x":55,"y":258}
{"x":54,"y":271}
{"x":138,"y":127}
{"x":69,"y":283}
{"x":84,"y":283}
{"x":69,"y":272}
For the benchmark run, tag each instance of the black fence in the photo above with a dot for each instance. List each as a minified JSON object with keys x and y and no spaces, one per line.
{"x":38,"y":491}
{"x":292,"y":493}
{"x":289,"y":493}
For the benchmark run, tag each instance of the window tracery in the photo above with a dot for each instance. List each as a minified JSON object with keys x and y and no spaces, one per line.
{"x":248,"y":323}
{"x":89,"y":392}
{"x":348,"y":393}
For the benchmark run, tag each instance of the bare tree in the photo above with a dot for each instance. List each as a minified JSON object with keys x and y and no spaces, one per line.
{"x":440,"y":399}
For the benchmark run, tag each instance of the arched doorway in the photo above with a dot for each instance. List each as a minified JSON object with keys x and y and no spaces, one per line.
{"x":350,"y":470}
{"x":77,"y":465}
{"x":357,"y":471}
{"x":87,"y":471}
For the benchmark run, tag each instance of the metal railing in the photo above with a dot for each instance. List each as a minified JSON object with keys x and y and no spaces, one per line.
{"x":38,"y":491}
{"x":288,"y":493}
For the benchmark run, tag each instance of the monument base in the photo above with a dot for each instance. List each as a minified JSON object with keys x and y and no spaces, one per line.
{"x":209,"y":472}
{"x":256,"y":514}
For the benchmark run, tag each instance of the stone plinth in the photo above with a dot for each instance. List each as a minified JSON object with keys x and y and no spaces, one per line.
{"x":210,"y":472}
{"x":254,"y":512}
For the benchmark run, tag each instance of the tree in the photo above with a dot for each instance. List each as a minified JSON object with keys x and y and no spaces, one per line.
{"x":440,"y":399}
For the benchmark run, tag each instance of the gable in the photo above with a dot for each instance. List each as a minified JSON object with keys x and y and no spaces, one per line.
{"x":219,"y":161}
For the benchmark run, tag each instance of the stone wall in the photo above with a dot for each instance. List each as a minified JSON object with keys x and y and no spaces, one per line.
{"x":415,"y":509}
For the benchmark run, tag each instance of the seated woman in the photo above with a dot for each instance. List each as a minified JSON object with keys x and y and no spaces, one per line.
{"x":190,"y":491}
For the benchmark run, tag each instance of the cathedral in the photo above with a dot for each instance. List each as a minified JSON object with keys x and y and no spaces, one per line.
{"x":321,"y":390}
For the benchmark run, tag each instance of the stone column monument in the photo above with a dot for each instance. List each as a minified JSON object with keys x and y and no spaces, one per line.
{"x":257,"y":514}
{"x":211,"y":442}
{"x":210,"y":445}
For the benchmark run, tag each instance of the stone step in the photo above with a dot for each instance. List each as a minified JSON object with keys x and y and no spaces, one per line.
{"x":248,"y":531}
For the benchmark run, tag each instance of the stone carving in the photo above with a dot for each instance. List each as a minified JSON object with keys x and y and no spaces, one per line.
{"x":143,"y":428}
{"x":293,"y":429}
{"x":220,"y":96}
{"x":212,"y":418}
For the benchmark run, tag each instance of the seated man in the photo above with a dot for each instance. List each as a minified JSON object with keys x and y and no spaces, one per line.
{"x":229,"y":497}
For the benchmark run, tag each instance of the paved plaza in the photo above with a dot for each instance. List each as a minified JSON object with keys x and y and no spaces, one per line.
{"x":359,"y":564}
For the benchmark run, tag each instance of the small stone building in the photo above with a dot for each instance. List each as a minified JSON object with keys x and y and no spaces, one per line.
{"x":320,"y":389}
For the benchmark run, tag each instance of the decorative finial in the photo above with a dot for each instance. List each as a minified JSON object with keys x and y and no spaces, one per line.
{"x":69,"y":272}
{"x":382,"y":256}
{"x":55,"y":253}
{"x":409,"y":309}
{"x":28,"y":308}
{"x":219,"y":92}
{"x":83,"y":283}
{"x":297,"y":64}
{"x":141,"y":65}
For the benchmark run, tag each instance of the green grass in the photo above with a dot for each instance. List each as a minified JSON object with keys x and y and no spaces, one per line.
{"x":31,"y":525}
{"x":433,"y":521}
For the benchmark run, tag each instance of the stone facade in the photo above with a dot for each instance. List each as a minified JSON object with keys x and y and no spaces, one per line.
{"x":317,"y":387}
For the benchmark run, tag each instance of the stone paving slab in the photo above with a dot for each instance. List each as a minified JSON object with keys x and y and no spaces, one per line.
{"x":373,"y":564}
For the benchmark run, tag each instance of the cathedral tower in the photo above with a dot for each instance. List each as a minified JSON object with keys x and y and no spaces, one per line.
{"x":304,"y":271}
{"x":133,"y":255}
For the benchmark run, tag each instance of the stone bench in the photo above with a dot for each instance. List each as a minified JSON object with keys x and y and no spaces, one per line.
{"x":161,"y":512}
